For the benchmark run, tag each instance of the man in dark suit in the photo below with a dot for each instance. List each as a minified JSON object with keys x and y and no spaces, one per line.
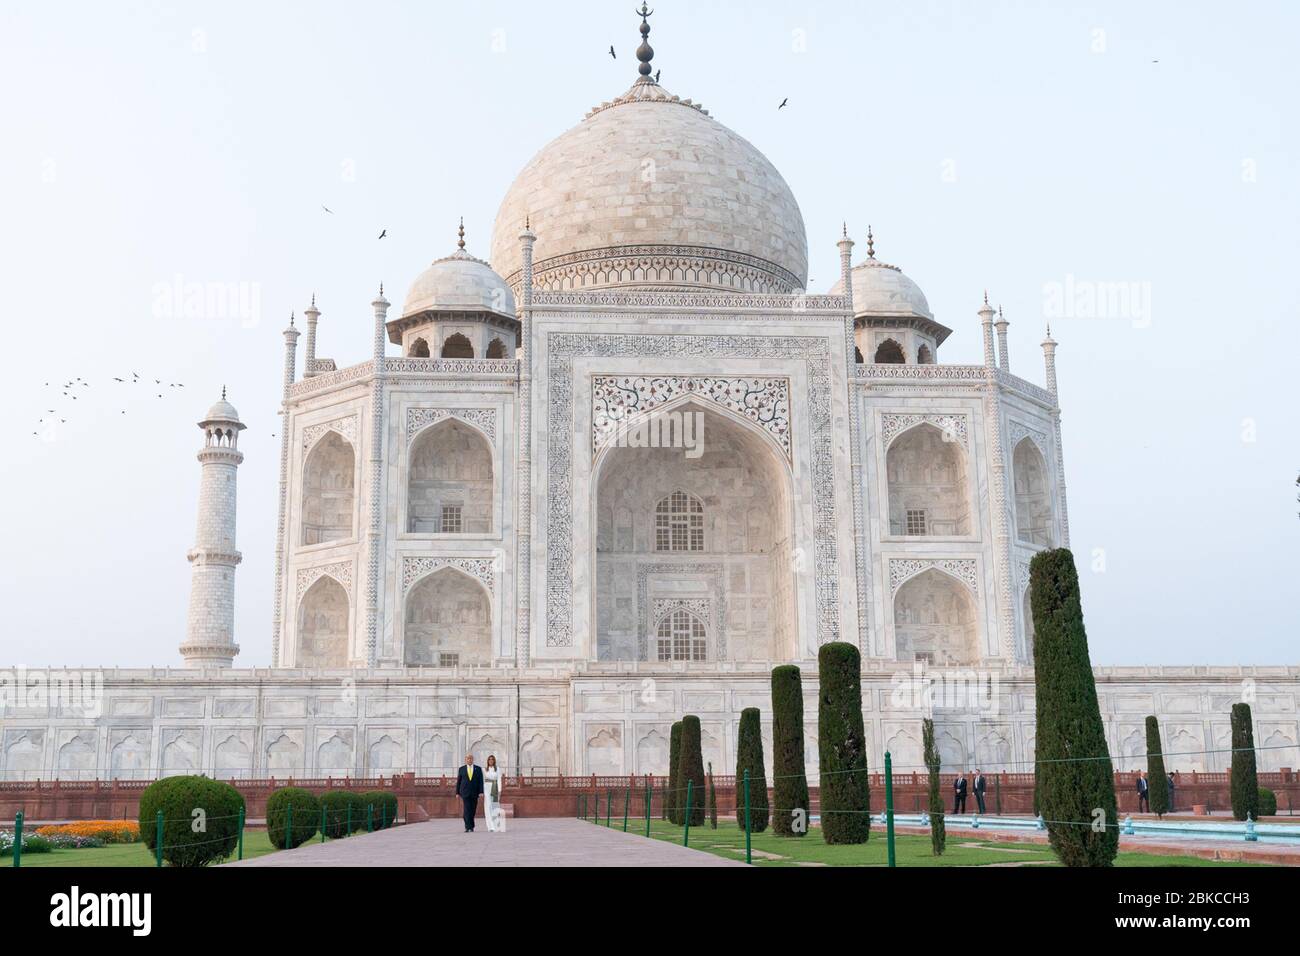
{"x":979,"y":788}
{"x":469,"y":786}
{"x":959,"y":795}
{"x":1144,"y":801}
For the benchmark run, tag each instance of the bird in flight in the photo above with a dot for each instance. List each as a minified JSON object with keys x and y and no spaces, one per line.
{"x":612,"y":53}
{"x":327,"y":209}
{"x":783,"y":102}
{"x":384,"y":233}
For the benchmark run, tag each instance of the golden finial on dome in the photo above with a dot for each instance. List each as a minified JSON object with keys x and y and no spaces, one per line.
{"x":871,"y":244}
{"x":645,"y":53}
{"x":460,"y":242}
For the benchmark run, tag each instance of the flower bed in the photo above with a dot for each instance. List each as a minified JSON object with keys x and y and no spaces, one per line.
{"x":106,"y":831}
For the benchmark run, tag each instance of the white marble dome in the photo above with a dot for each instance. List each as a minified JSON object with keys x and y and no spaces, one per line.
{"x":650,"y":191}
{"x":880,"y":289}
{"x":459,"y":283}
{"x":221,"y":411}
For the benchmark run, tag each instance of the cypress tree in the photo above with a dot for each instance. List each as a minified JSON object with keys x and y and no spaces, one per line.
{"x":1243,"y":779}
{"x":674,"y":761}
{"x":749,"y":756}
{"x":937,"y":833}
{"x":1074,"y":780}
{"x":1157,"y":779}
{"x":789,"y":775}
{"x":842,"y":746}
{"x":692,"y":772}
{"x":713,"y":800}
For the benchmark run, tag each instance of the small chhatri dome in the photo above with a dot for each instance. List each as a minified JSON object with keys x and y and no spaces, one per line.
{"x":882,"y":290}
{"x":222,"y":410}
{"x":459,"y":283}
{"x":649,"y":191}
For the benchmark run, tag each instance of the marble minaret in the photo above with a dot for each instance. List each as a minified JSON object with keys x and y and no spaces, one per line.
{"x":209,"y":633}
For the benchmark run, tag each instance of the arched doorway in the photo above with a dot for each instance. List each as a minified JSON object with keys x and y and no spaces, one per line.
{"x":934,"y":620}
{"x":448,"y":621}
{"x":323,"y":625}
{"x":450,"y":483}
{"x":1033,"y":498}
{"x":707,"y":530}
{"x":327,"y":490}
{"x":926,"y":473}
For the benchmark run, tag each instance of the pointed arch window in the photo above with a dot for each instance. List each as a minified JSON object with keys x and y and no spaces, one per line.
{"x":679,"y":523}
{"x":681,"y":637}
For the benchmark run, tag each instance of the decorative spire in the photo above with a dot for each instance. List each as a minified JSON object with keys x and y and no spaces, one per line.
{"x":460,"y":241}
{"x":986,"y":296}
{"x":871,"y":244}
{"x":223,"y":393}
{"x":291,"y":319}
{"x":313,"y":300}
{"x":845,"y":231}
{"x":645,"y":53}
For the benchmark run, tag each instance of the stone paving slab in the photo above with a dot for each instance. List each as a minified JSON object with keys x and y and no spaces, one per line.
{"x":532,"y":841}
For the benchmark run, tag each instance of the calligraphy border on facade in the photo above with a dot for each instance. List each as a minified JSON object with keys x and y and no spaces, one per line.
{"x":565,"y":347}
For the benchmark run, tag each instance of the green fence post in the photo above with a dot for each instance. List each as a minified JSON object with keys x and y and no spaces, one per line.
{"x":627,"y":801}
{"x":370,"y":818}
{"x":686,"y":834}
{"x":18,"y":838}
{"x":889,"y":807}
{"x":158,"y":841}
{"x":322,"y":823}
{"x":649,"y":799}
{"x":747,"y":850}
{"x":241,"y":833}
{"x":609,"y":807}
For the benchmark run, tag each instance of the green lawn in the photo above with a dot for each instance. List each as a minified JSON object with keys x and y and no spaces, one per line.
{"x":771,"y":850}
{"x":256,"y":843}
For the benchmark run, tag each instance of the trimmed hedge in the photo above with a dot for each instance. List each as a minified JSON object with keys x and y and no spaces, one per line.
{"x":749,"y":756}
{"x":191,"y":839}
{"x":306,"y":817}
{"x":1267,"y":802}
{"x":340,"y":811}
{"x":671,"y":799}
{"x":842,"y":746}
{"x":789,"y":775}
{"x":938,"y":835}
{"x":385,"y":804}
{"x":691,"y":775}
{"x":1243,"y":779}
{"x":1157,"y":779}
{"x":1074,"y":778}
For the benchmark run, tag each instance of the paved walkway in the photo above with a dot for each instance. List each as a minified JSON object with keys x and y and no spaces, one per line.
{"x":531,"y":841}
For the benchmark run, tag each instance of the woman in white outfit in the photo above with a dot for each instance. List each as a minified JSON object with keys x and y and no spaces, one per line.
{"x":492,"y":781}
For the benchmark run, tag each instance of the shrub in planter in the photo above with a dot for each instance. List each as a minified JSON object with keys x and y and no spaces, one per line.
{"x":1267,"y":802}
{"x":200,"y":819}
{"x":305,"y":817}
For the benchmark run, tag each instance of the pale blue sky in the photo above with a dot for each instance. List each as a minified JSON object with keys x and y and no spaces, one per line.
{"x":999,"y":145}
